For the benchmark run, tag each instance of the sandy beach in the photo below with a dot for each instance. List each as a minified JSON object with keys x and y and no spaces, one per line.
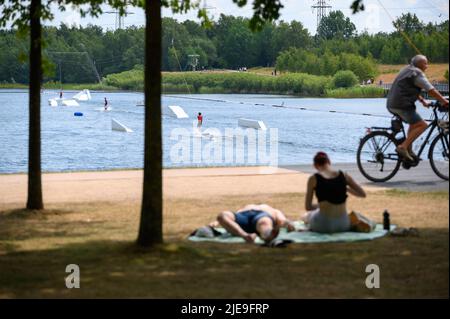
{"x":115,"y":186}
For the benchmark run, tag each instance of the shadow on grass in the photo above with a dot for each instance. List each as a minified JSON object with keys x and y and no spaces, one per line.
{"x":410,"y":267}
{"x":20,"y":224}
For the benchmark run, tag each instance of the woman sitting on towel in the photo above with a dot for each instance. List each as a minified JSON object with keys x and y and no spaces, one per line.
{"x":331,"y":188}
{"x":254,"y":220}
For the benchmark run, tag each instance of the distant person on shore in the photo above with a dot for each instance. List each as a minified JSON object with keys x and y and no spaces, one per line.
{"x":405,"y":91}
{"x":252,"y":221}
{"x":199,"y":120}
{"x":106,"y":104}
{"x":329,"y":215}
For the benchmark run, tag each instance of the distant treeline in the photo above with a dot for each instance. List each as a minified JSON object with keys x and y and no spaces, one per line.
{"x":75,"y":53}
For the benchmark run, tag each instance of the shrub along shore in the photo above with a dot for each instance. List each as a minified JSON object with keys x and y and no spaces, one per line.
{"x":297,"y":84}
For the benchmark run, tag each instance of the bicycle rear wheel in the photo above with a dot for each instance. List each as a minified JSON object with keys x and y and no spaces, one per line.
{"x":439,"y":155}
{"x":377,"y":158}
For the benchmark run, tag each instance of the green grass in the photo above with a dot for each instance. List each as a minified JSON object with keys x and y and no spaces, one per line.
{"x":186,"y":270}
{"x":13,"y":86}
{"x":74,"y":86}
{"x":35,"y":248}
{"x":356,"y":92}
{"x":438,"y":195}
{"x":226,"y":82}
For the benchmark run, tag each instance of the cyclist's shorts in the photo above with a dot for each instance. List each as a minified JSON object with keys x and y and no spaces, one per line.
{"x":410,"y":116}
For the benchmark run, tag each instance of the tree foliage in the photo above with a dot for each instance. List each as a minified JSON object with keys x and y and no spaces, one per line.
{"x":328,"y":63}
{"x":336,"y":26}
{"x":344,"y":79}
{"x":228,"y":43}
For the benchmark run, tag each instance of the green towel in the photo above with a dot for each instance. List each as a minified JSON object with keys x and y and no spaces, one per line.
{"x":302,"y":236}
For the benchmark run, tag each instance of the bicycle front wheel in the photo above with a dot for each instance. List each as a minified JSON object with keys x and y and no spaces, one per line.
{"x":439,"y":153}
{"x":377,"y":158}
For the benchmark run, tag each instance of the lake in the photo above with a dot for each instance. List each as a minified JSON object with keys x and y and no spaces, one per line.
{"x":295,"y":131}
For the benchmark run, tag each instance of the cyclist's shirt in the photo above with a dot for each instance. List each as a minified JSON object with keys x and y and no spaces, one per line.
{"x":406,"y":88}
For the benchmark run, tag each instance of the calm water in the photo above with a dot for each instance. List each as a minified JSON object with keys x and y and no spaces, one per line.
{"x":88,"y":143}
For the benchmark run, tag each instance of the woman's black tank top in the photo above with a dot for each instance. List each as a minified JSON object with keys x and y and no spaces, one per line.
{"x":333,"y":190}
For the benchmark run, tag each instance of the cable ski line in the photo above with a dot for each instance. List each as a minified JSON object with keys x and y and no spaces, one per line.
{"x":280,"y":106}
{"x":403,"y":33}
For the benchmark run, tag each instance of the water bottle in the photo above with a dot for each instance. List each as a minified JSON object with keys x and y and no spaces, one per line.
{"x":386,"y":221}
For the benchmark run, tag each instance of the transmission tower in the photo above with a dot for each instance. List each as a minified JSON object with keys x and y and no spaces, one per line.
{"x":119,"y":23}
{"x":206,"y":7}
{"x":321,"y":7}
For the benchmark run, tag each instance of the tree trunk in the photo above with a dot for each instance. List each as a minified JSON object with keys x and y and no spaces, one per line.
{"x":150,"y":229}
{"x":34,"y":143}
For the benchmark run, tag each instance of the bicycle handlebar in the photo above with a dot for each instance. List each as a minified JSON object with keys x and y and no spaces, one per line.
{"x":439,"y":106}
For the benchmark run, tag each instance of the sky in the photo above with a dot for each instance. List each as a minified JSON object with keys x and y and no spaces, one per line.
{"x":376,"y":18}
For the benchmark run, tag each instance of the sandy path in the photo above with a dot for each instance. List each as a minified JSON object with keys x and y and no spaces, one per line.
{"x":178,"y":183}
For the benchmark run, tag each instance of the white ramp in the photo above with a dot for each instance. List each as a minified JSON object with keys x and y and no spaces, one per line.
{"x":70,"y":103}
{"x":175,"y":111}
{"x":259,"y":125}
{"x":117,"y":126}
{"x":52,"y":102}
{"x":84,"y":95}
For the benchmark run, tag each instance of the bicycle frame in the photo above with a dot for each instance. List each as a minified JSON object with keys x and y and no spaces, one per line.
{"x":431,"y":127}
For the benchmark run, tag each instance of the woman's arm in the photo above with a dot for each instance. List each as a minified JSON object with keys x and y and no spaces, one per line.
{"x":310,"y":194}
{"x":354,"y":188}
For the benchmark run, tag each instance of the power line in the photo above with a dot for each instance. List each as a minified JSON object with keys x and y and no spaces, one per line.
{"x":399,"y":29}
{"x":72,"y":53}
{"x":280,"y":106}
{"x":432,"y":4}
{"x":120,"y":17}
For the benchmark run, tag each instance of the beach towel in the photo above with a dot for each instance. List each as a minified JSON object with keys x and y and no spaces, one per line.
{"x":302,"y":235}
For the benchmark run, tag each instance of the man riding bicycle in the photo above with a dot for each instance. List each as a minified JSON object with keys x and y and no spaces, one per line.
{"x":405,"y":91}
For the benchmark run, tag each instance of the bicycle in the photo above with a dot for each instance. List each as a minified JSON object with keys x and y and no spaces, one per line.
{"x":378,"y":160}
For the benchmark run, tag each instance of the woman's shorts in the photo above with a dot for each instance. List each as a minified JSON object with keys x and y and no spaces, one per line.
{"x":248,"y":219}
{"x":321,"y":223}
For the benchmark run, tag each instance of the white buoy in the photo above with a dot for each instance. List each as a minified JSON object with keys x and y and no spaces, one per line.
{"x":70,"y":103}
{"x":259,"y":125}
{"x":175,"y":111}
{"x":117,"y":126}
{"x":84,"y":95}
{"x":52,"y":102}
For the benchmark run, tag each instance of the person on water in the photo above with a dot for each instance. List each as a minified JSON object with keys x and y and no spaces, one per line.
{"x":405,"y":91}
{"x":60,"y":94}
{"x":330,"y":186}
{"x":106,"y":104}
{"x":199,"y":120}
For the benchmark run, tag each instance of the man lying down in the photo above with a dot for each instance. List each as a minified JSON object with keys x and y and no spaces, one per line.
{"x":252,"y":221}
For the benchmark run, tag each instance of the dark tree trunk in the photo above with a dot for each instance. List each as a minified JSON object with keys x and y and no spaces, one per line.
{"x":34,"y":143}
{"x":150,"y":229}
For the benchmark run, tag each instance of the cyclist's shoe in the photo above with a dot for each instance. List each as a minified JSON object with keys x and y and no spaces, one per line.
{"x":416,"y":158}
{"x":404,"y":154}
{"x":414,"y":164}
{"x":406,"y":165}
